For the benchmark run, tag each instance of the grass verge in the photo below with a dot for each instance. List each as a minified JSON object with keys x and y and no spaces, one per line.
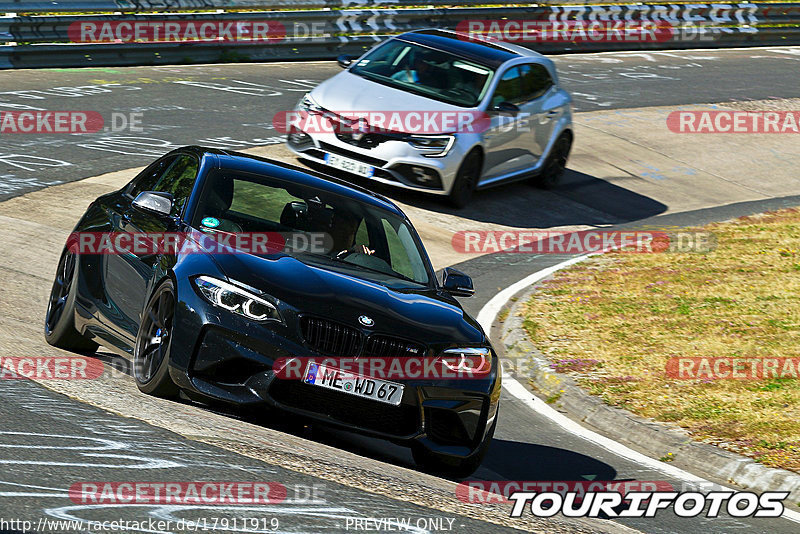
{"x":614,"y":321}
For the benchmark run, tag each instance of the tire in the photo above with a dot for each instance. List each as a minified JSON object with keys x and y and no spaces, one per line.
{"x":153,"y":343}
{"x":466,"y":180}
{"x":431,"y":462}
{"x":555,"y":164}
{"x":59,"y":322}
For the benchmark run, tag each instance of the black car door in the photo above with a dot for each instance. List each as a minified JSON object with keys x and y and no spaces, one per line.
{"x":128,"y":278}
{"x":119,"y":313}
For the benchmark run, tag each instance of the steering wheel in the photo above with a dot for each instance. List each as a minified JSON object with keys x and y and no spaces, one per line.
{"x":355,"y":249}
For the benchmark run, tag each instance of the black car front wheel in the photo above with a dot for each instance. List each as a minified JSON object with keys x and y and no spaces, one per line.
{"x":59,"y":322}
{"x":434,"y":463}
{"x":153,"y":342}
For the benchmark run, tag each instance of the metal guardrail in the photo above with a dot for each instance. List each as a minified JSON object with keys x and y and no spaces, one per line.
{"x":47,"y":41}
{"x":142,"y":6}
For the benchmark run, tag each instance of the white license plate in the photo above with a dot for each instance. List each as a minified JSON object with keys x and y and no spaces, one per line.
{"x":349,"y":165}
{"x":361,"y":386}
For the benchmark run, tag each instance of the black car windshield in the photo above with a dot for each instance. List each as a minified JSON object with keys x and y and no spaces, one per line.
{"x":427,"y":72}
{"x":317,"y":227}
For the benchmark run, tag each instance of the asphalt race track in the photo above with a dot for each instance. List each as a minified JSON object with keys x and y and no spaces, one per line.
{"x":48,"y":440}
{"x":103,"y":447}
{"x":232,"y":106}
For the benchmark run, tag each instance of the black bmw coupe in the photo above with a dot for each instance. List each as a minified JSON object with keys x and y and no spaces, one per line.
{"x":344,"y":279}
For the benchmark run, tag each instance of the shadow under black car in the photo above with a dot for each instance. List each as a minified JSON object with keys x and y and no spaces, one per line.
{"x":515,"y":460}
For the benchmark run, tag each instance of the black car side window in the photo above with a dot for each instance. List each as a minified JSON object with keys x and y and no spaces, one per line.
{"x":535,"y":81}
{"x":178,"y":181}
{"x":147,"y":179}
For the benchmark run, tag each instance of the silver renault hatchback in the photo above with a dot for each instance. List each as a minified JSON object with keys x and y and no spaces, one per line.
{"x":439,"y":112}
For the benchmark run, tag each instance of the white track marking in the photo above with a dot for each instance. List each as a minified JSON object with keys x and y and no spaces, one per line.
{"x":487,"y":316}
{"x":103,"y":444}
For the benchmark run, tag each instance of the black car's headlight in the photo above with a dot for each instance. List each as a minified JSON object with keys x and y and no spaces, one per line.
{"x":472,"y":361}
{"x":309,"y":104}
{"x":237,"y":300}
{"x":439,"y":145}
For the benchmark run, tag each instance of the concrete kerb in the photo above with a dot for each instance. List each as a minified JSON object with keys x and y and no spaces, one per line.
{"x":527,"y":364}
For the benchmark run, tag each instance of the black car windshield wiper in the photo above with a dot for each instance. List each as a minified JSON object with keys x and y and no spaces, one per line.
{"x":393,"y":273}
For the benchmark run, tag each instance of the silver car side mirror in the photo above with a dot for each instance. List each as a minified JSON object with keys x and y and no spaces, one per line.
{"x":344,"y":60}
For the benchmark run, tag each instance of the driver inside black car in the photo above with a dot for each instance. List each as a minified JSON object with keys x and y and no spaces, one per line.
{"x":313,"y":216}
{"x":343,"y":230}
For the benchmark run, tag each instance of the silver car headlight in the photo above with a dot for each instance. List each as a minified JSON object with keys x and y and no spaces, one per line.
{"x":237,"y":300}
{"x":472,"y":361}
{"x":309,"y":104}
{"x":439,"y":145}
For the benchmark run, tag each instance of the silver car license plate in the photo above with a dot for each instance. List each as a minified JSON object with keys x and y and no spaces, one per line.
{"x":349,"y":165}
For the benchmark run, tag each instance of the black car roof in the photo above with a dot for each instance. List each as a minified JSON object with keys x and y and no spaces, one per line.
{"x":232,"y":160}
{"x":459,"y":44}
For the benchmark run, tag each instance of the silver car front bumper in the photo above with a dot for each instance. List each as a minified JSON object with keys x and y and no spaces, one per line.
{"x":396,"y":163}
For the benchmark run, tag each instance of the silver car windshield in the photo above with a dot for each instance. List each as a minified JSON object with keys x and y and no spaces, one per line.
{"x":427,"y":72}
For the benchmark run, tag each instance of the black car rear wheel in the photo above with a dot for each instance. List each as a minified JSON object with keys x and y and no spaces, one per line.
{"x":448,"y":466}
{"x":555,"y":165}
{"x":153,"y":342}
{"x":59,"y":322}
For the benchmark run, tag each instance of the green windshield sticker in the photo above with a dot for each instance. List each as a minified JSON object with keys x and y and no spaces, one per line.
{"x":210,"y":222}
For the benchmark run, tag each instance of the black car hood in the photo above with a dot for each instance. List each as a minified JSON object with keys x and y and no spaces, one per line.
{"x":422,"y":314}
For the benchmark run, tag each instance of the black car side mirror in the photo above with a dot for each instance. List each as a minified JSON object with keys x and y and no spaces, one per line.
{"x":457,"y":283}
{"x":154,"y":202}
{"x":344,"y":60}
{"x":507,"y":108}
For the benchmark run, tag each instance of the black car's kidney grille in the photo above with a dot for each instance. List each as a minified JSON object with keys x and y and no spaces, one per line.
{"x":381,"y":346}
{"x":348,"y":409}
{"x":335,"y":339}
{"x":330,"y":338}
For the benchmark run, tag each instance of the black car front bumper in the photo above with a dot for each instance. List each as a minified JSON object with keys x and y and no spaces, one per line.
{"x":231,"y":360}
